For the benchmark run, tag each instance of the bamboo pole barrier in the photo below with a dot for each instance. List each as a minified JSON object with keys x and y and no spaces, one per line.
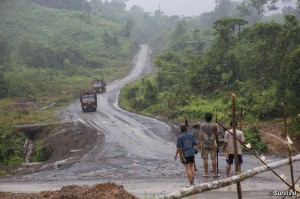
{"x":228,"y":181}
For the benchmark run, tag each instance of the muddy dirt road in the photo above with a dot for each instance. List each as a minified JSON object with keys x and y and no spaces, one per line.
{"x":137,"y":152}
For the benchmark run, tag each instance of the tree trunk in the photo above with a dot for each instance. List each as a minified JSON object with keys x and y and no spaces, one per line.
{"x":228,"y":181}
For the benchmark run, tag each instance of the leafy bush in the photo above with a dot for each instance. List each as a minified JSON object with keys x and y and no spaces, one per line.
{"x":42,"y":154}
{"x":131,"y":92}
{"x":15,"y":161}
{"x":138,"y":104}
{"x":294,"y":127}
{"x":252,"y":136}
{"x":11,"y":146}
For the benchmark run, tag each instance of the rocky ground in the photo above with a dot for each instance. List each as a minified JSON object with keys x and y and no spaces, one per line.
{"x":74,"y":140}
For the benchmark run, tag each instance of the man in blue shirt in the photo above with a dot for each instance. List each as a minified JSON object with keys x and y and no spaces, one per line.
{"x":185,"y":147}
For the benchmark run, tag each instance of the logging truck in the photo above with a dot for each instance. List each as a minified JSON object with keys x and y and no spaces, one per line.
{"x":99,"y":86}
{"x":88,"y":101}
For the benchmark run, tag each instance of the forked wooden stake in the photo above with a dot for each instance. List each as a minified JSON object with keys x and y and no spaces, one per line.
{"x":236,"y":162}
{"x":288,"y":146}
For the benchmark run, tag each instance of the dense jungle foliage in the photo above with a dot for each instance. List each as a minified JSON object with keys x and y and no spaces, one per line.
{"x":259,"y":63}
{"x":257,"y":60}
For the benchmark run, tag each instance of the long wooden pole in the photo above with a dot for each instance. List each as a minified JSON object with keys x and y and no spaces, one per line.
{"x":289,"y":148}
{"x":236,"y":160}
{"x":227,"y":181}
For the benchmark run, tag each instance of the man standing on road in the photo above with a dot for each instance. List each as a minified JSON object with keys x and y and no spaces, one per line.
{"x":207,"y":140}
{"x":185,"y":148}
{"x":229,"y":148}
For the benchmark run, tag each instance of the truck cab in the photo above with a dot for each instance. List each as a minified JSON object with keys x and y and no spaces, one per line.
{"x":99,"y":86}
{"x":88,"y":101}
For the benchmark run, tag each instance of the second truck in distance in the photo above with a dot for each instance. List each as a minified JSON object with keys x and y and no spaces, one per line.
{"x":99,"y":86}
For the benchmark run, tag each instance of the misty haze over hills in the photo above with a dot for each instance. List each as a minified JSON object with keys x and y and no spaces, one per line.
{"x":188,"y":7}
{"x":175,"y":7}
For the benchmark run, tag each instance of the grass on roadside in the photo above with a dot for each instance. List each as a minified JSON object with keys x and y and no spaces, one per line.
{"x":36,"y":109}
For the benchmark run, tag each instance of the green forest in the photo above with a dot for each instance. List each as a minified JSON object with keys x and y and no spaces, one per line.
{"x":254,"y":57}
{"x":50,"y":50}
{"x":259,"y":63}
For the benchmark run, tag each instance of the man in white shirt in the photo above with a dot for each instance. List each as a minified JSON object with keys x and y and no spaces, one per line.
{"x":229,"y":148}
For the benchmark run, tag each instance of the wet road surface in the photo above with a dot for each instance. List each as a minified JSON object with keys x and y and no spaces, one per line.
{"x":138,"y":153}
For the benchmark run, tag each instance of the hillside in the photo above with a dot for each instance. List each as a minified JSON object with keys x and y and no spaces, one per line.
{"x":46,"y":57}
{"x":59,"y":49}
{"x":48,"y":37}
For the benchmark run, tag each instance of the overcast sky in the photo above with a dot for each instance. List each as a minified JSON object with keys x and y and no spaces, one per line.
{"x":175,"y":7}
{"x":185,"y":7}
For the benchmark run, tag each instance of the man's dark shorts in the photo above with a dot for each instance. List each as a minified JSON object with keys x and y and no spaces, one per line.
{"x":189,"y":159}
{"x":231,"y":157}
